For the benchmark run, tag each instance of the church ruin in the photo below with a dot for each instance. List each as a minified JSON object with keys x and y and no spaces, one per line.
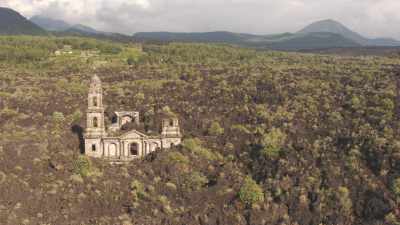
{"x":113,"y":142}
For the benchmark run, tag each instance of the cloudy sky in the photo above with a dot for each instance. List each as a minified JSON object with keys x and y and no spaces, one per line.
{"x":369,"y":17}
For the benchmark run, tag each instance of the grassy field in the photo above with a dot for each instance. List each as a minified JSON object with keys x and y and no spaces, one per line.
{"x":269,"y":137}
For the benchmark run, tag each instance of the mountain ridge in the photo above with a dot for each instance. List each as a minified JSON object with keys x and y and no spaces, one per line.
{"x":284,"y":41}
{"x":61,"y":28}
{"x":13,"y":23}
{"x":335,"y":27}
{"x":49,"y":24}
{"x":318,"y":35}
{"x":57,"y":25}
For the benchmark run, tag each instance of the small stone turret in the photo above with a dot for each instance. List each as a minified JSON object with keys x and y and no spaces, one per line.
{"x":169,"y":124}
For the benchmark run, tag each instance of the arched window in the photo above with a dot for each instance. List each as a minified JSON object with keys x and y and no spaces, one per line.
{"x":94,"y":101}
{"x":114,"y":119}
{"x":134,"y":149}
{"x":93,"y":147}
{"x":95,"y":122}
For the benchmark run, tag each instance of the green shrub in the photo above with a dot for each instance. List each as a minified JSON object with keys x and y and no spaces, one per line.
{"x":58,"y":117}
{"x":194,"y":181}
{"x":396,"y":187}
{"x":194,"y":146}
{"x":82,"y":166}
{"x":166,"y":207}
{"x":109,"y":48}
{"x":355,"y":102}
{"x":136,"y":186}
{"x":177,"y":157}
{"x":272,"y":142}
{"x":131,"y":60}
{"x":345,"y":200}
{"x":163,"y":199}
{"x":230,"y":157}
{"x":137,"y":190}
{"x":76,"y":116}
{"x":251,"y":193}
{"x":240,"y":129}
{"x":391,"y":218}
{"x":215,"y":129}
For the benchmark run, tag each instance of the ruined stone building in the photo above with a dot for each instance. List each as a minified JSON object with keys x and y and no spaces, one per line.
{"x":117,"y":144}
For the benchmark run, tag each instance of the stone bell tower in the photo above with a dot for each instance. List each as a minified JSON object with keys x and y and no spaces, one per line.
{"x":95,"y":128}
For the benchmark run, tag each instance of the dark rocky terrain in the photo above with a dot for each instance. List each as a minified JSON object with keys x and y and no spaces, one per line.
{"x":269,"y":137}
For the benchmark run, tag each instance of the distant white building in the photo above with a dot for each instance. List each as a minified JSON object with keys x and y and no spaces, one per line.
{"x":67,"y":50}
{"x":113,"y":143}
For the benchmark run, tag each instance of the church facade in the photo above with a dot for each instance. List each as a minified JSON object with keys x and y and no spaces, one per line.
{"x":115,"y":144}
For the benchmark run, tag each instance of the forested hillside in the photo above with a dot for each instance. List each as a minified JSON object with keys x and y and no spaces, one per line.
{"x":320,"y":35}
{"x":269,"y":137}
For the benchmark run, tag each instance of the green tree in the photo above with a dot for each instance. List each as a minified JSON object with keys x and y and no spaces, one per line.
{"x":82,"y":166}
{"x":177,"y":157}
{"x":215,"y":129}
{"x":273,"y":142}
{"x":251,"y":193}
{"x":345,"y":200}
{"x":58,"y":120}
{"x":131,"y":60}
{"x":76,"y":116}
{"x":194,"y":181}
{"x":396,"y":187}
{"x":58,"y":117}
{"x":137,"y":190}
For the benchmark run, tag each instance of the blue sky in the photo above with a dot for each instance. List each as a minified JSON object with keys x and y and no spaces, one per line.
{"x":373,"y":18}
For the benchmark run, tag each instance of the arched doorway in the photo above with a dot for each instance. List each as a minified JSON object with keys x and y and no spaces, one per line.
{"x":112,"y":150}
{"x":134,"y":149}
{"x":154,"y":146}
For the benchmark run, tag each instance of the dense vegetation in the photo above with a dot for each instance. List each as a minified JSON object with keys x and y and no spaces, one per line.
{"x":270,"y":137}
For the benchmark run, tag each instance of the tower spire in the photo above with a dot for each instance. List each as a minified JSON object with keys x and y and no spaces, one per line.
{"x":95,"y":113}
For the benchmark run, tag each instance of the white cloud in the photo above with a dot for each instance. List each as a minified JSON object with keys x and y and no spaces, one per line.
{"x":370,"y":17}
{"x":143,"y":3}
